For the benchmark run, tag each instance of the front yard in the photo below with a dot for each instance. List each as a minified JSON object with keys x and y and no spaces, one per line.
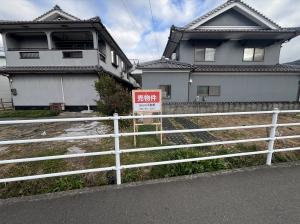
{"x":31,"y":187}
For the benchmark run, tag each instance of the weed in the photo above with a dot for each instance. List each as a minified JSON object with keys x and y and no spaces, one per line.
{"x":242,"y":161}
{"x":67,"y":183}
{"x":132,"y":175}
{"x":186,"y":168}
{"x":201,"y":148}
{"x":29,"y":113}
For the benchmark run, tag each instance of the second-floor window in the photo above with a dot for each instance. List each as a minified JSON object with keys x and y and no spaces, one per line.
{"x":102,"y":57}
{"x":114,"y":58}
{"x":29,"y":55}
{"x":72,"y":54}
{"x":254,"y":54}
{"x":123,"y":66}
{"x":205,"y":54}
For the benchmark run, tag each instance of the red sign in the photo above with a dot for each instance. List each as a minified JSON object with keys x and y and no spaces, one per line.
{"x":146,"y":97}
{"x":144,"y":100}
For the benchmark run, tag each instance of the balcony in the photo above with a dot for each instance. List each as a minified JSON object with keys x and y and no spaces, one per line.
{"x":26,"y":41}
{"x":72,"y":41}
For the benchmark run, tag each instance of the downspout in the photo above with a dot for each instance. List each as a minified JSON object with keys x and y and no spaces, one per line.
{"x":62,"y":89}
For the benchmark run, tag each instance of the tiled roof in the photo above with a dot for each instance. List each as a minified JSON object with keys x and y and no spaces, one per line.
{"x":247,"y":68}
{"x":281,"y":30}
{"x":48,"y":68}
{"x":56,"y":8}
{"x":221,"y":7}
{"x":71,"y":69}
{"x":164,"y":64}
{"x":169,"y":64}
{"x":294,"y":63}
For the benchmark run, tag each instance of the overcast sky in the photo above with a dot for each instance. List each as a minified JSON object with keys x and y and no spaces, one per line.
{"x":141,"y":44}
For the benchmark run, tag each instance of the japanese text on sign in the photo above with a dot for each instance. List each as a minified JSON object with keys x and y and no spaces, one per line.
{"x":147,"y":101}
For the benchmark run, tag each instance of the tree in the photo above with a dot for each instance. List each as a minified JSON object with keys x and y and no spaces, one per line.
{"x":113,"y":98}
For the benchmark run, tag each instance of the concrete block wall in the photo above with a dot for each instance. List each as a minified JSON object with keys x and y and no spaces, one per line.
{"x":208,"y":107}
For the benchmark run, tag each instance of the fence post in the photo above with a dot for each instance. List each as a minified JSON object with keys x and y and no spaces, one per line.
{"x":117,"y":149}
{"x":272,"y":135}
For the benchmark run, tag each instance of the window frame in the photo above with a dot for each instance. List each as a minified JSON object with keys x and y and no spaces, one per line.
{"x":170,"y":91}
{"x":63,"y":53}
{"x":265,"y":49}
{"x":205,"y":53}
{"x":114,"y":58}
{"x":123,"y":66}
{"x":20,"y":54}
{"x":208,"y":90}
{"x":103,"y":55}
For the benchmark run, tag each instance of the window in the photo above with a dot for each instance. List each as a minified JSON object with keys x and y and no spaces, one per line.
{"x":102,"y":57}
{"x":123,"y":66}
{"x":254,"y":54}
{"x":209,"y":90}
{"x":29,"y":55}
{"x":205,"y":54}
{"x":114,"y":58}
{"x":72,"y":54}
{"x":165,"y":91}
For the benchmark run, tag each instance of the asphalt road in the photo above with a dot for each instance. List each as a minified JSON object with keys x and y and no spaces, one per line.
{"x":253,"y":195}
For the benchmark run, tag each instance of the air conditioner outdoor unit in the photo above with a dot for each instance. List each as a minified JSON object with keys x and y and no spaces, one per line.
{"x":122,"y":74}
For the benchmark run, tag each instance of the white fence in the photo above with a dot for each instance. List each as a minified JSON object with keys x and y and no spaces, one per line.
{"x":117,"y":150}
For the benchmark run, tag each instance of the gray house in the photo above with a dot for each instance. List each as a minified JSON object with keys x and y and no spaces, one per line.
{"x":230,"y":54}
{"x":56,"y":58}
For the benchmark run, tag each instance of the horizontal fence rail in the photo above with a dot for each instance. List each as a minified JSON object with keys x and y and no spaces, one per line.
{"x":118,"y":167}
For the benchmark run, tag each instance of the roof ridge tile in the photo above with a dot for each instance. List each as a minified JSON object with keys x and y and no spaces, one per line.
{"x":55,"y":8}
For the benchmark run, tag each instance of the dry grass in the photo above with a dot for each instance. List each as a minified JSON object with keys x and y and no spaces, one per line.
{"x":247,"y":120}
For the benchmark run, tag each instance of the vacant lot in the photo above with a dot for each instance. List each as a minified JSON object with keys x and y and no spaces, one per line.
{"x":247,"y":120}
{"x":48,"y":130}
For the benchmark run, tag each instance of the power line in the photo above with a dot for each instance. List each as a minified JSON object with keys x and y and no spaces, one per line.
{"x":137,"y":28}
{"x":154,"y":28}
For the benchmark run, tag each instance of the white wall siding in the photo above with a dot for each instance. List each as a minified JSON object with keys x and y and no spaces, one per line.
{"x":42,"y":89}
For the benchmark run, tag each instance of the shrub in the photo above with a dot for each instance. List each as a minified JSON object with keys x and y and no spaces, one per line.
{"x":113,"y":98}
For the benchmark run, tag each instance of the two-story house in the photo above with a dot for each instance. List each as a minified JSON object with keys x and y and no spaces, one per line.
{"x":230,"y":54}
{"x":56,"y":58}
